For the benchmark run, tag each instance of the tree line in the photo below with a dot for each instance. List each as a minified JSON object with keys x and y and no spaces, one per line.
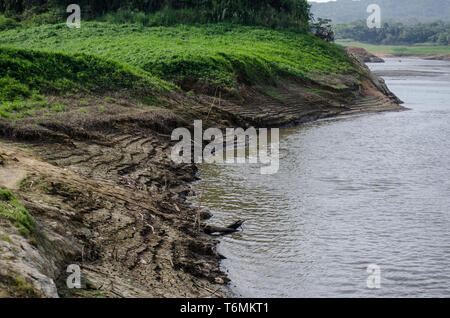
{"x":271,"y":13}
{"x":396,"y":33}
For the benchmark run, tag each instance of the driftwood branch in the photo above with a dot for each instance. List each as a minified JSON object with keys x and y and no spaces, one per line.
{"x":232,"y":228}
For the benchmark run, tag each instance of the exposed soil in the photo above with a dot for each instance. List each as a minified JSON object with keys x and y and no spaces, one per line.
{"x":106,"y":196}
{"x":364,"y":55}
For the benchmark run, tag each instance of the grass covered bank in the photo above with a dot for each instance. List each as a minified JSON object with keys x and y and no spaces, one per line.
{"x":103,"y":57}
{"x":27,"y":76}
{"x":215,"y":53}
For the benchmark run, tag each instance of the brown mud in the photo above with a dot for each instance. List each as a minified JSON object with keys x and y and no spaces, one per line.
{"x":364,"y":55}
{"x":106,"y":196}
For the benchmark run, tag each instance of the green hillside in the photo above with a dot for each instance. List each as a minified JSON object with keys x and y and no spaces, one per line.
{"x":102,"y":56}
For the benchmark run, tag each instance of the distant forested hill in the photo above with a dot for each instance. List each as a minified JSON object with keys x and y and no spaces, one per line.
{"x":406,"y":11}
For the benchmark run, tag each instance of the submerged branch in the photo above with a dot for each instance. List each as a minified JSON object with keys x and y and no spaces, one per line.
{"x":232,"y":228}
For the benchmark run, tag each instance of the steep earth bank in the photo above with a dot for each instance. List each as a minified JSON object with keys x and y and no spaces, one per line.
{"x":104,"y":194}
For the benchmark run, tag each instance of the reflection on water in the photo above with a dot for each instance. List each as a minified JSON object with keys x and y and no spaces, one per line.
{"x":369,"y":189}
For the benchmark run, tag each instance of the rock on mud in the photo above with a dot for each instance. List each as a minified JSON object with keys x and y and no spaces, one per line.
{"x":364,"y":55}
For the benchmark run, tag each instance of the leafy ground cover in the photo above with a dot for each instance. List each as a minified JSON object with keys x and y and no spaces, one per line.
{"x":103,"y":56}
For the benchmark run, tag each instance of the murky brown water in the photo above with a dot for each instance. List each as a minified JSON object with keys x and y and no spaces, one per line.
{"x":370,"y":189}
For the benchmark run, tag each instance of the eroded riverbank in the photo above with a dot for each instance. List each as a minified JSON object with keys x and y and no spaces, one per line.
{"x":99,"y":182}
{"x":351,"y":191}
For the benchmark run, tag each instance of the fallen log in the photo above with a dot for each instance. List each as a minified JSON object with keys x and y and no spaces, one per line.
{"x":232,"y":228}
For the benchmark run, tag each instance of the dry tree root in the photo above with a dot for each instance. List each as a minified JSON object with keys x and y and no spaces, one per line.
{"x":232,"y":228}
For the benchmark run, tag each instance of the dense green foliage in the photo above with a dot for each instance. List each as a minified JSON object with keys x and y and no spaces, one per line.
{"x":103,"y":57}
{"x":270,"y":13}
{"x":14,"y":211}
{"x":26,"y":74}
{"x":221,"y":53}
{"x":323,"y":29}
{"x":220,"y":43}
{"x":7,"y":23}
{"x":406,"y":11}
{"x":396,"y":33}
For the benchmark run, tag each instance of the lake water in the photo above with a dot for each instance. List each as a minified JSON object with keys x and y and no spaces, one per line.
{"x":354,"y":191}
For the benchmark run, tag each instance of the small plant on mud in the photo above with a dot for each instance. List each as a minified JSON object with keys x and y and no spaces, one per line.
{"x":17,"y":287}
{"x":6,"y":238}
{"x":16,"y":213}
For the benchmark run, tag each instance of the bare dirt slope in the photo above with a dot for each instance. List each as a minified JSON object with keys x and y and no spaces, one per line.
{"x":128,"y":243}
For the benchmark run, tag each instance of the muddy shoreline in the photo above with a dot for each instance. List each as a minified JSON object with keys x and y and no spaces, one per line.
{"x":106,"y":196}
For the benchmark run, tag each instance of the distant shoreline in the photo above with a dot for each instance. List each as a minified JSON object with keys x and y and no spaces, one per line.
{"x":423,"y":51}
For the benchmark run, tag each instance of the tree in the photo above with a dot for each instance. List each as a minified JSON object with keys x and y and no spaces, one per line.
{"x":323,"y":29}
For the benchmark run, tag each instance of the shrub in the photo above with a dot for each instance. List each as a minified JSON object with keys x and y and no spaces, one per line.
{"x":11,"y":89}
{"x":7,"y":23}
{"x":323,"y":29}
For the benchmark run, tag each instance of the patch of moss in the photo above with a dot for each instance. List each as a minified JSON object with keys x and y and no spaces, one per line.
{"x":17,"y":287}
{"x":6,"y":238}
{"x":23,"y":146}
{"x":99,"y":294}
{"x":274,"y":94}
{"x":16,"y":213}
{"x":317,"y":90}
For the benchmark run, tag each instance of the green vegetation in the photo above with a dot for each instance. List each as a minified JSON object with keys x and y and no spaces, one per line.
{"x":17,"y":287}
{"x":416,"y":50}
{"x":396,"y":33}
{"x":6,"y":238}
{"x":220,"y":53}
{"x":407,"y":11}
{"x":35,"y":61}
{"x":267,"y":40}
{"x":25,"y":75}
{"x":15,"y":212}
{"x":7,"y":23}
{"x":269,"y":13}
